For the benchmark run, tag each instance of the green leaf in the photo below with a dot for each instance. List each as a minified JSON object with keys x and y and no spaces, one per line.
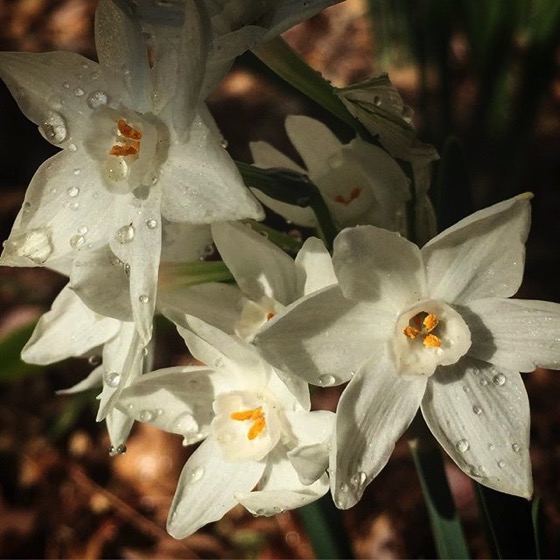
{"x":509,"y":523}
{"x":325,"y":529}
{"x":12,"y":367}
{"x":446,"y":527}
{"x":287,"y":64}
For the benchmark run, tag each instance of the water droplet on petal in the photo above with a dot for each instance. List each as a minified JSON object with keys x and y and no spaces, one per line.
{"x":77,"y":171}
{"x":358,"y":480}
{"x":499,"y":379}
{"x":94,"y":360}
{"x":73,"y":192}
{"x":76,"y":241}
{"x":143,"y":298}
{"x":54,"y":128}
{"x":327,"y":380}
{"x":72,"y":147}
{"x":74,"y":206}
{"x":195,"y":475}
{"x":97,"y":99}
{"x":78,"y":92}
{"x":118,"y":450}
{"x":462,"y":445}
{"x":483,"y":382}
{"x":186,"y":425}
{"x":112,"y":379}
{"x":515,"y":447}
{"x":146,"y":416}
{"x":477,"y":410}
{"x":491,"y":447}
{"x":82,"y":230}
{"x":125,"y":234}
{"x":152,"y":224}
{"x":501,"y":464}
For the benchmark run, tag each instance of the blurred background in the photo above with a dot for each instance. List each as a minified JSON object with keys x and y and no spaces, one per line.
{"x":486,"y":73}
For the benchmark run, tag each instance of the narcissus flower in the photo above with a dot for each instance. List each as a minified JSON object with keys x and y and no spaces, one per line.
{"x":138,"y":146}
{"x":427,"y":328}
{"x":263,"y":448}
{"x":360,"y":183}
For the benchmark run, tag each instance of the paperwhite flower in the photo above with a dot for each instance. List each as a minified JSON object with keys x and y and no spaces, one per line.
{"x":360,"y":182}
{"x":426,"y":328}
{"x":267,"y":278}
{"x":138,"y":147}
{"x":263,"y":448}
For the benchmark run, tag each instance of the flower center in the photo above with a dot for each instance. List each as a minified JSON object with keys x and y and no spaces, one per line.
{"x":346,"y":200}
{"x":427,"y":335}
{"x":256,"y":415}
{"x":247,"y":424}
{"x":129,"y":147}
{"x":254,"y":315}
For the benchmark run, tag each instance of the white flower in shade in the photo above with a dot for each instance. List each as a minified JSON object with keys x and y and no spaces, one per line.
{"x":236,"y":26}
{"x":137,"y":145}
{"x":360,"y":183}
{"x":428,"y":328}
{"x":268,"y":280}
{"x":379,"y":107}
{"x":263,"y":448}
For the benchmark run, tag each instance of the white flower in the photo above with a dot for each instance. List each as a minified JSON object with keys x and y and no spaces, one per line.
{"x":429,"y":328}
{"x":360,"y":182}
{"x":138,"y":147}
{"x":267,"y":277}
{"x":263,"y":448}
{"x":379,"y":107}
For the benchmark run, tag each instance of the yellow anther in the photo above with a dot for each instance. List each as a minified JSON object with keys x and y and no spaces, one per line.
{"x":430,"y":322}
{"x":411,"y":332}
{"x":431,"y":341}
{"x":128,"y":131}
{"x":128,"y":140}
{"x":269,"y":315}
{"x":125,"y":150}
{"x":256,"y":415}
{"x":354,"y":194}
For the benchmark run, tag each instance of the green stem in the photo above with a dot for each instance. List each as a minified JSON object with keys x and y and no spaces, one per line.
{"x":446,"y":528}
{"x":190,"y":274}
{"x":325,"y":529}
{"x":283,"y":240}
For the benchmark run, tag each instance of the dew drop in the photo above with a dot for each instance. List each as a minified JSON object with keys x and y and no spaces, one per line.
{"x":343,"y":487}
{"x":477,"y":410}
{"x":76,"y":241}
{"x":146,"y":416}
{"x":118,"y":450}
{"x":112,"y":379}
{"x":143,"y":298}
{"x":97,"y":99}
{"x":78,"y":92}
{"x":152,"y":224}
{"x":499,"y":379}
{"x":491,"y":447}
{"x":462,"y":445}
{"x":377,"y":100}
{"x":326,"y":380}
{"x":515,"y":447}
{"x":125,"y":234}
{"x":73,"y":192}
{"x":74,"y":206}
{"x":94,"y":360}
{"x":483,"y":382}
{"x":185,"y":425}
{"x":54,"y":128}
{"x":501,"y":464}
{"x":358,"y":480}
{"x":66,"y":85}
{"x":72,"y":147}
{"x":82,"y":230}
{"x":195,"y":475}
{"x":77,"y":171}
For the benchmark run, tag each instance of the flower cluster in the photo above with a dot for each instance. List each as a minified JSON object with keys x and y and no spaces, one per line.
{"x":143,"y":190}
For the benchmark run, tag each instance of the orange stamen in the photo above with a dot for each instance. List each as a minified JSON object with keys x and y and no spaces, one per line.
{"x":431,"y":341}
{"x":126,"y":150}
{"x":128,"y":131}
{"x":430,"y":322}
{"x":354,"y":194}
{"x":411,"y":332}
{"x":269,"y":316}
{"x":256,"y":415}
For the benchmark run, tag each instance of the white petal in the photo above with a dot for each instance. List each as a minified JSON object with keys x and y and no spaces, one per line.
{"x":99,"y":279}
{"x":314,"y":267}
{"x":52,"y":90}
{"x":324,"y":337}
{"x":280,"y":489}
{"x":266,"y":156}
{"x":481,"y":256}
{"x":313,"y":431}
{"x":380,"y":266}
{"x":215,"y":303}
{"x":137,"y":242}
{"x":480,"y":416}
{"x":258,"y":266}
{"x":373,"y":412}
{"x":313,"y":140}
{"x":73,"y":211}
{"x":177,"y":400}
{"x":184,"y":242}
{"x":202,"y":184}
{"x":515,"y":334}
{"x":69,"y":329}
{"x":207,"y":488}
{"x":116,"y":24}
{"x":118,"y":427}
